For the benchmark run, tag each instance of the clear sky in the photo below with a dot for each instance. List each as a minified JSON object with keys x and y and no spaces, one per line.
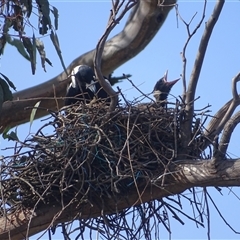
{"x":81,"y":24}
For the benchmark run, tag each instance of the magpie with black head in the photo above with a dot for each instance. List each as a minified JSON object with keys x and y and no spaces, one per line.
{"x":84,"y":87}
{"x":162,"y":89}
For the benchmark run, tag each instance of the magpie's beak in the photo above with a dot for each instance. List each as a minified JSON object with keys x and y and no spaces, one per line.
{"x":170,"y":83}
{"x":91,"y":86}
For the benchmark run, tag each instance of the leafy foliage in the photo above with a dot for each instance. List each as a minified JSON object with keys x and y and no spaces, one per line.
{"x":15,"y":15}
{"x":10,"y":136}
{"x":5,"y":93}
{"x":15,"y":18}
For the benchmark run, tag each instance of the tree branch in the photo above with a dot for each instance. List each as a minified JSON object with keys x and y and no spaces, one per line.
{"x":186,"y":127}
{"x":113,"y":21}
{"x":142,"y":25}
{"x":219,"y":120}
{"x":183,"y":175}
{"x":235,"y":102}
{"x":227,"y":132}
{"x":190,"y":35}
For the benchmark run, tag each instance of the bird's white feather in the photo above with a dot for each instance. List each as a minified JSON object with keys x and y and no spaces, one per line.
{"x":91,"y":86}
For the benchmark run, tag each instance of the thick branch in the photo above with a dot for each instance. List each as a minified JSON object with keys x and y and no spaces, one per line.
{"x":142,"y":25}
{"x":185,"y":174}
{"x":235,"y":102}
{"x":227,"y":132}
{"x":220,"y":119}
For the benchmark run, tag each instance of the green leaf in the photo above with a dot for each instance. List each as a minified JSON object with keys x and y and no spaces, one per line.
{"x":40,"y":48}
{"x":45,"y":19}
{"x":55,"y":42}
{"x":7,"y":24}
{"x":56,"y":15}
{"x":7,"y":94}
{"x":1,"y":98}
{"x":2,"y":44}
{"x":34,"y":52}
{"x":11,"y":136}
{"x":19,"y":45}
{"x":18,"y":19}
{"x":31,"y":49}
{"x":28,"y":5}
{"x":10,"y":83}
{"x":6,"y":129}
{"x":33,"y":113}
{"x":48,"y":61}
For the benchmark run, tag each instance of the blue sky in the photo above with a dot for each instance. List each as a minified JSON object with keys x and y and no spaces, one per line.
{"x":81,"y":24}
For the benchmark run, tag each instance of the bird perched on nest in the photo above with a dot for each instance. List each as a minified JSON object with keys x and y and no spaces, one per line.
{"x":162,"y":89}
{"x":84,"y":87}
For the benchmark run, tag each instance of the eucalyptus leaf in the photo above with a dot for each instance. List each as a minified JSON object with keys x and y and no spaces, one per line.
{"x":7,"y":94}
{"x":10,"y":83}
{"x":19,"y":45}
{"x":48,"y":61}
{"x":56,"y":15}
{"x":33,"y":113}
{"x":40,"y":48}
{"x":30,"y":49}
{"x":34,"y":62}
{"x":55,"y":42}
{"x":44,"y":8}
{"x":1,"y":98}
{"x":10,"y":136}
{"x":28,"y":5}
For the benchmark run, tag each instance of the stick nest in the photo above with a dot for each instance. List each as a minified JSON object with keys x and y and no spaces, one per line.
{"x":91,"y":154}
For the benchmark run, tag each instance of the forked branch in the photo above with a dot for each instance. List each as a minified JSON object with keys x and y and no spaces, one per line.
{"x":217,"y":124}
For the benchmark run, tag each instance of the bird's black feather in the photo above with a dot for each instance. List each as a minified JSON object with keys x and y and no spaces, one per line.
{"x":162,"y":89}
{"x":84,"y":87}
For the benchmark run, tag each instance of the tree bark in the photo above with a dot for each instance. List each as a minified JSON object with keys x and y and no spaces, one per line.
{"x":142,"y":25}
{"x":185,"y":174}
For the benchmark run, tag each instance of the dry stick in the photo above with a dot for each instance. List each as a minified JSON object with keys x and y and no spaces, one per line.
{"x":138,"y":89}
{"x":208,"y":213}
{"x":186,"y":126}
{"x":220,"y":214}
{"x":100,"y":46}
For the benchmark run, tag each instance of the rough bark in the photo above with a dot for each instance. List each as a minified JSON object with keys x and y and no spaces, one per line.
{"x":186,"y":174}
{"x":142,"y":25}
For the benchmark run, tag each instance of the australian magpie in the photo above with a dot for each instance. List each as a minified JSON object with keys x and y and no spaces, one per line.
{"x":162,"y":89}
{"x":84,"y":87}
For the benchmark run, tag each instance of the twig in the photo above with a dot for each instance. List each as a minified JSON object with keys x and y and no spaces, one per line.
{"x":208,"y":213}
{"x":190,"y":35}
{"x":220,"y":214}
